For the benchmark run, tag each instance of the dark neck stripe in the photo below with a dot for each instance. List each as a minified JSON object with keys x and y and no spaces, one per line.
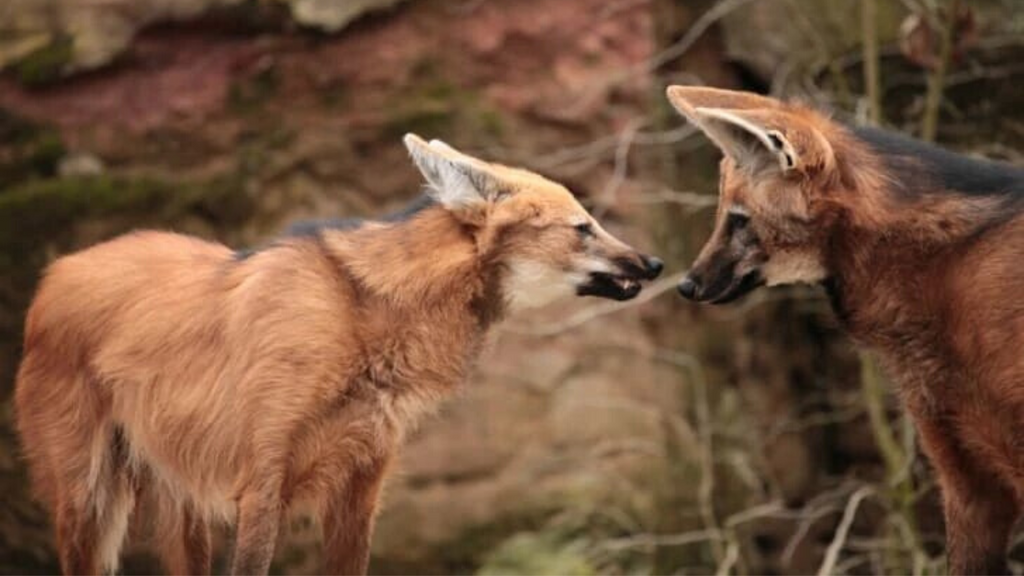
{"x":919,"y":168}
{"x":313,"y":228}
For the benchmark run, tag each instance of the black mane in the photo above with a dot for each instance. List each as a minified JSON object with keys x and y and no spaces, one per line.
{"x":313,"y":228}
{"x":921,"y":168}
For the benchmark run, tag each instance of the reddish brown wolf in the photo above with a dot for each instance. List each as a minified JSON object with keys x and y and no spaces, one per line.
{"x":922,"y":253}
{"x":236,"y":386}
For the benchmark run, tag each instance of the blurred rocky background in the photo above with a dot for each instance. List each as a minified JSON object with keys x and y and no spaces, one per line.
{"x":652,"y":437}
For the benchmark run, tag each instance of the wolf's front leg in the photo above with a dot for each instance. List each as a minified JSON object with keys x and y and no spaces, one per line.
{"x":348,"y":521}
{"x":978,"y":530}
{"x":259,"y":519}
{"x":980,"y":510}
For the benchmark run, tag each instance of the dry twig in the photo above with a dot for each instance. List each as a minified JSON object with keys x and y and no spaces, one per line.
{"x":832,"y":554}
{"x":603,"y":309}
{"x":937,"y":78}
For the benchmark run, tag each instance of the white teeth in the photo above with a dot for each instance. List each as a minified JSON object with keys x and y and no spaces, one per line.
{"x":626,"y":284}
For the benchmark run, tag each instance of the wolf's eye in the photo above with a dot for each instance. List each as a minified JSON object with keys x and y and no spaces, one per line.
{"x":584,"y":229}
{"x":736,"y":221}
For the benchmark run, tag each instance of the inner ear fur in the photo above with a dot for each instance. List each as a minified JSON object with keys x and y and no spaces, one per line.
{"x":755,"y":139}
{"x":456,"y":180}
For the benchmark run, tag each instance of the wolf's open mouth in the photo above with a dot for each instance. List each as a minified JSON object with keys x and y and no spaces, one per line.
{"x":613,"y":286}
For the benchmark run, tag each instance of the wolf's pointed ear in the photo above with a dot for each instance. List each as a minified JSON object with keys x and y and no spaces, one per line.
{"x":444,"y":147}
{"x":757,"y":132}
{"x":455,"y":180}
{"x":686,"y":99}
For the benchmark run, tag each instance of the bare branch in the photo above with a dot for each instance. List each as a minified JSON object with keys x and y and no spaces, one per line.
{"x":654,"y":540}
{"x":832,"y":554}
{"x":937,"y":78}
{"x":691,"y":201}
{"x":869,"y":33}
{"x":605,"y":308}
{"x":702,"y":25}
{"x":607,"y":197}
{"x":732,"y":554}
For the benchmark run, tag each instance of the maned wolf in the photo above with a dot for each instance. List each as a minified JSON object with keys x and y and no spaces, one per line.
{"x":236,"y":386}
{"x":922,"y":253}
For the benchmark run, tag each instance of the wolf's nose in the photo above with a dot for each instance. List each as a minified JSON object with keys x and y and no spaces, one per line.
{"x":688,"y":288}
{"x":654,"y":266}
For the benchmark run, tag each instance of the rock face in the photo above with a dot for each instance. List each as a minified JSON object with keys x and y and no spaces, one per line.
{"x":519,"y":444}
{"x":47,"y":39}
{"x":332,"y":16}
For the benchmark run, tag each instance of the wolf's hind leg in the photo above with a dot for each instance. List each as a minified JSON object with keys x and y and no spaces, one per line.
{"x":259,"y":521}
{"x":347,"y":521}
{"x":92,"y":523}
{"x":183,"y":539}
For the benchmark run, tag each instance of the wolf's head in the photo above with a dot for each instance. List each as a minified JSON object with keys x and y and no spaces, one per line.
{"x":774,"y":211}
{"x":546,"y":242}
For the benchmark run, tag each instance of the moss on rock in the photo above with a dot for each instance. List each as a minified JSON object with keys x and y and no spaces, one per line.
{"x":41,"y":210}
{"x":27,"y":150}
{"x":250,"y":94}
{"x":436,"y":106}
{"x":47,"y":63}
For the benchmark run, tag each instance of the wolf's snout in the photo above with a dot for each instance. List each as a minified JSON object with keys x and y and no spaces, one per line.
{"x":640,"y":266}
{"x":624,"y":281}
{"x":652,"y":266}
{"x":689,"y":288}
{"x":719,"y":288}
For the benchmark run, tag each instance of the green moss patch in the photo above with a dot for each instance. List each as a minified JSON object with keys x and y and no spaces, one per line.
{"x":27,"y":150}
{"x":435,"y":106}
{"x":538,"y":553}
{"x":46,"y":64}
{"x":252,"y":93}
{"x":37,"y":211}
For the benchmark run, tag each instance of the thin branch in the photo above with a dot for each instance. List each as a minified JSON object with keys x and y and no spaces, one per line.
{"x":691,"y":201}
{"x":869,"y":33}
{"x":874,"y":400}
{"x":732,"y":554}
{"x":654,"y":540}
{"x":706,"y":483}
{"x":586,"y":315}
{"x":937,"y":78}
{"x":832,"y":554}
{"x":600,"y":146}
{"x":607,"y":196}
{"x":676,"y":50}
{"x":811,"y":31}
{"x":802,"y":529}
{"x":851,"y":562}
{"x":702,"y":25}
{"x":820,"y":506}
{"x":773,"y":509}
{"x":856,"y":58}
